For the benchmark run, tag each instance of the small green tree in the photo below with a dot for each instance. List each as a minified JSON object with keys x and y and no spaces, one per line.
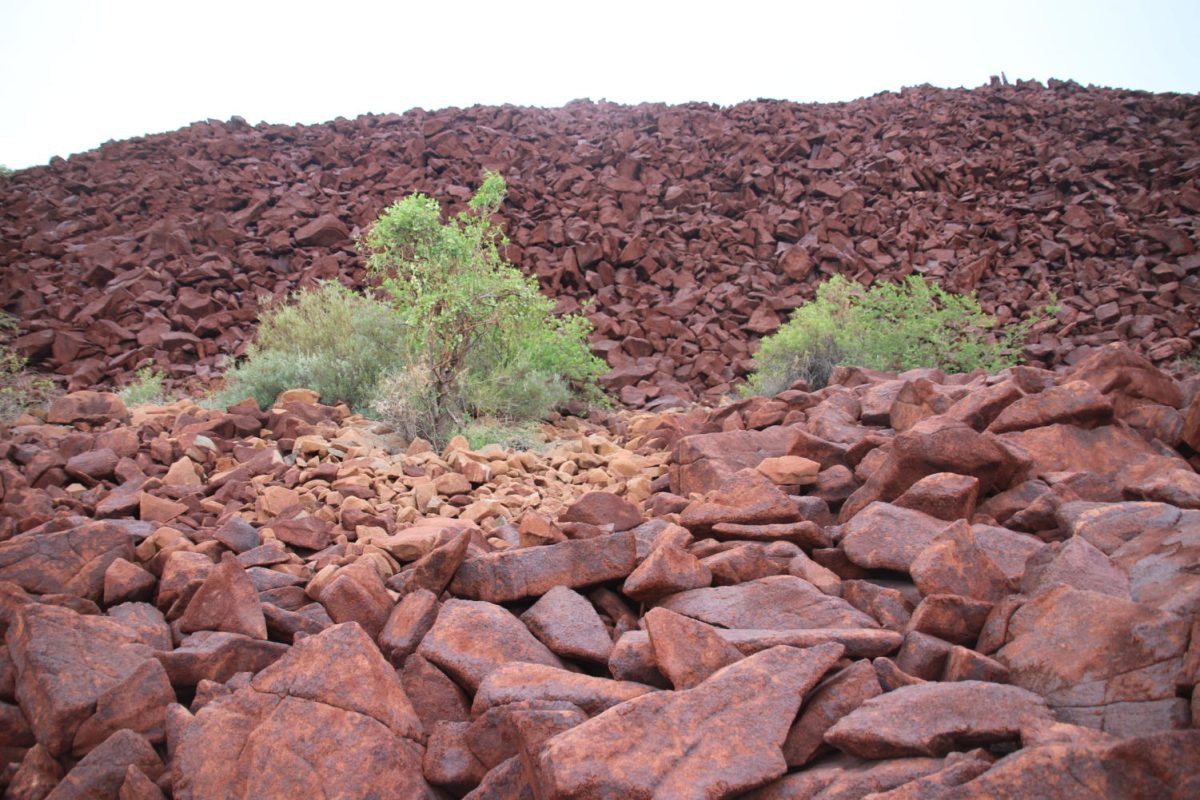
{"x":890,"y":326}
{"x":482,"y":339}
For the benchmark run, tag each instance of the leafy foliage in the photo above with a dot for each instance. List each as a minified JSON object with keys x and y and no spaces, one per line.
{"x":888,"y":327}
{"x":482,"y":339}
{"x":146,"y":388}
{"x":332,"y":340}
{"x":20,"y":390}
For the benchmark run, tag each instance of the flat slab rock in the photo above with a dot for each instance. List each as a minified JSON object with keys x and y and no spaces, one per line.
{"x":779,"y":602}
{"x":331,"y":713}
{"x":722,"y":737}
{"x":64,"y":662}
{"x":1160,"y":766}
{"x":1100,"y":661}
{"x":933,"y":719}
{"x":532,"y":571}
{"x":472,"y":638}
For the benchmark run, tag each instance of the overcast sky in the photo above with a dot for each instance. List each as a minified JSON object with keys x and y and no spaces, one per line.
{"x":77,"y":73}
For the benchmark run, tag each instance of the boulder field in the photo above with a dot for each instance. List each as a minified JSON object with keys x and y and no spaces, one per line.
{"x":899,"y":586}
{"x":694,"y":229}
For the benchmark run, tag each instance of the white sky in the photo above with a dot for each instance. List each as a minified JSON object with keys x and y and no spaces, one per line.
{"x":76,"y":73}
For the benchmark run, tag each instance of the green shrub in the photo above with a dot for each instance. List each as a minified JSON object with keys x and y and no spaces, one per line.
{"x":146,"y":388}
{"x":5,"y":172}
{"x":889,"y":326}
{"x":511,"y":436}
{"x":331,"y":339}
{"x":482,"y":340}
{"x":20,"y":390}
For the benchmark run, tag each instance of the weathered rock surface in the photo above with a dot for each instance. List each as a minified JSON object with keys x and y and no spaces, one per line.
{"x":719,"y":738}
{"x":932,"y":719}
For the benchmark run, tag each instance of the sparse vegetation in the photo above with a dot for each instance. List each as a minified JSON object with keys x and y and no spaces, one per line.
{"x":5,"y":172}
{"x":333,"y":340}
{"x":482,"y":339}
{"x":888,"y":326}
{"x":146,"y":388}
{"x":20,"y":389}
{"x":461,"y":336}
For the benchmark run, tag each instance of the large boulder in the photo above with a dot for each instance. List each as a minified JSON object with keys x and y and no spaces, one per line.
{"x":715,"y":740}
{"x":331,"y":713}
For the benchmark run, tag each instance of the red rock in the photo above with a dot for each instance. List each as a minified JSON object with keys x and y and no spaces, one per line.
{"x":931,"y":719}
{"x":102,"y":771}
{"x":1160,"y":562}
{"x":433,"y":695}
{"x":494,"y":736}
{"x":804,"y":533}
{"x":701,"y":463}
{"x":357,"y":594}
{"x":943,"y":495}
{"x":226,"y":601}
{"x":954,"y":563}
{"x":666,"y":570}
{"x":217,"y":656}
{"x":526,"y":572}
{"x":1075,"y":563}
{"x":137,"y":786}
{"x":884,"y":536}
{"x":747,"y":498}
{"x":407,"y":625}
{"x":686,"y":651}
{"x":448,"y":762}
{"x":434,"y":570}
{"x":845,"y":776}
{"x":964,"y":664}
{"x":125,"y":581}
{"x":72,"y":561}
{"x":238,"y":535}
{"x":603,"y":508}
{"x":1074,"y":403}
{"x":65,"y":662}
{"x":789,"y":470}
{"x":724,"y":736}
{"x":781,"y":602}
{"x":1115,"y":369}
{"x":87,"y":407}
{"x":1117,"y":672}
{"x":890,"y":605}
{"x":520,"y":682}
{"x":471,"y":638}
{"x":137,"y":703}
{"x":953,"y":618}
{"x":308,"y":533}
{"x":833,"y":699}
{"x":566,"y":622}
{"x":980,"y":408}
{"x":931,"y":446}
{"x":36,"y":776}
{"x":1155,"y":766}
{"x":916,"y":400}
{"x":1115,"y":452}
{"x":93,"y":465}
{"x":325,"y":231}
{"x":288,"y":729}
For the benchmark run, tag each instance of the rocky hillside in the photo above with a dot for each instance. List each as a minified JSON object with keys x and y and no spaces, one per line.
{"x":694,"y":228}
{"x":915,"y":586}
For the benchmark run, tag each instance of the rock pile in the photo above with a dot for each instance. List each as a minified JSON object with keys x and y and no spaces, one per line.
{"x":694,"y":228}
{"x":905,"y":586}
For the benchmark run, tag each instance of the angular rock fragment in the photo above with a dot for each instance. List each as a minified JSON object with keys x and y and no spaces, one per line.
{"x":567,"y":623}
{"x":531,"y":571}
{"x":686,"y":650}
{"x":722,"y":737}
{"x":932,"y":719}
{"x":472,"y":638}
{"x":782,"y":602}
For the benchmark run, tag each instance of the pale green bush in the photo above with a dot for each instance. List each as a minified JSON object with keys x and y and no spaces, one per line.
{"x":333,"y":340}
{"x":889,"y":326}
